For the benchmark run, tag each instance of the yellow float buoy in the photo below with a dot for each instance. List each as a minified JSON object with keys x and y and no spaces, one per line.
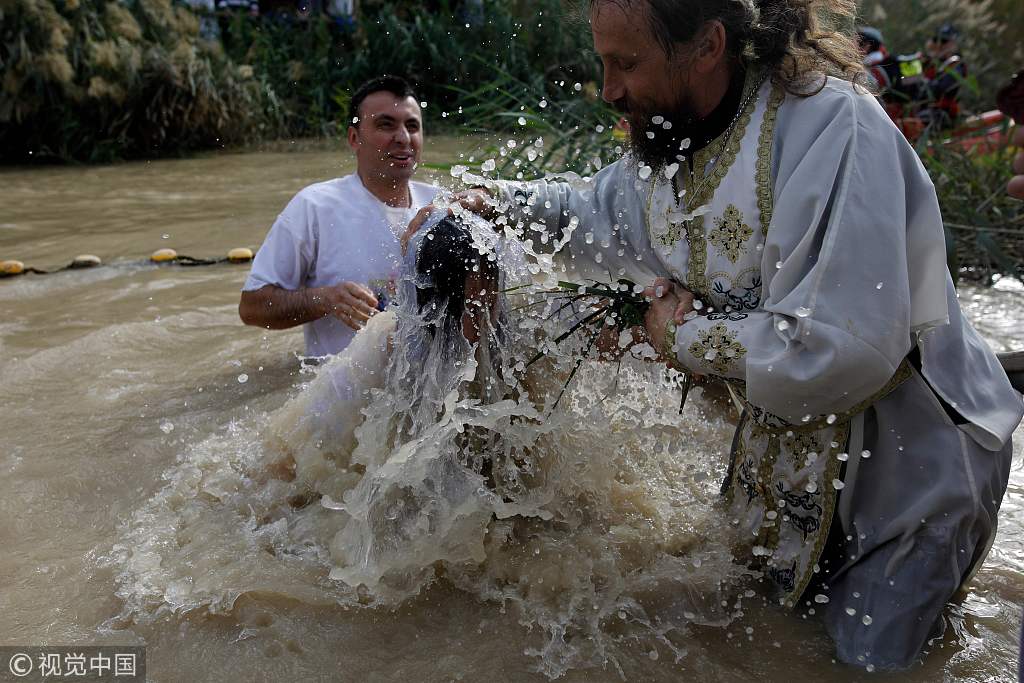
{"x":86,"y":261}
{"x":12,"y":267}
{"x":163,"y":256}
{"x":240,"y":255}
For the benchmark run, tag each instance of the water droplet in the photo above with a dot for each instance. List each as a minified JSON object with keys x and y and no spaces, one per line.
{"x":838,"y":485}
{"x":588,"y":238}
{"x":658,"y":120}
{"x":650,"y":135}
{"x":459,"y":170}
{"x":866,"y":620}
{"x":644,"y":172}
{"x":865,"y":454}
{"x":667,"y":125}
{"x":831,"y":419}
{"x":698,"y":304}
{"x":165,"y":236}
{"x":806,"y":418}
{"x":671,"y":170}
{"x":820,"y":599}
{"x":870,"y":668}
{"x":685,"y":144}
{"x":243,"y":378}
{"x":811,"y":487}
{"x":543,"y":104}
{"x":802,"y":312}
{"x":488,"y":165}
{"x":782,"y":325}
{"x":166,"y":427}
{"x":778,"y":265}
{"x":851,"y":611}
{"x":843,"y":457}
{"x":878,"y":286}
{"x":522,"y":121}
{"x":577,"y":87}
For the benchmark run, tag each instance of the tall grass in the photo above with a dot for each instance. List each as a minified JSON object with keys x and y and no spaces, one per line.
{"x":984,"y":227}
{"x":314,"y":65}
{"x":92,"y":80}
{"x":543,"y":124}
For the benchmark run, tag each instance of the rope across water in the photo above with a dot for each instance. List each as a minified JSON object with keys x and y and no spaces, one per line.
{"x":13,"y":268}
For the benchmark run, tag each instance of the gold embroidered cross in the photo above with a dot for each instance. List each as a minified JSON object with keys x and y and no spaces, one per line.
{"x":730,"y":233}
{"x":717,"y":348}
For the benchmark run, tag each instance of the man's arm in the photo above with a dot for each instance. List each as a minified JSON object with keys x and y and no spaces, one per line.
{"x":275,"y":308}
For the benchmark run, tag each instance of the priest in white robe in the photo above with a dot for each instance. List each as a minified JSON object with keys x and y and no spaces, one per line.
{"x":803,"y":261}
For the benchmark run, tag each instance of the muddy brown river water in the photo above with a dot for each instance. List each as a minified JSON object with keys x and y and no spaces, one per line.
{"x":115,"y":380}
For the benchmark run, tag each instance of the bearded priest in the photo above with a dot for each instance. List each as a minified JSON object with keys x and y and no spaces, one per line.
{"x":796,"y":252}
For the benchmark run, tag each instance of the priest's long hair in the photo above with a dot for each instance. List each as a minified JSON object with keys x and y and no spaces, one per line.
{"x":799,"y":40}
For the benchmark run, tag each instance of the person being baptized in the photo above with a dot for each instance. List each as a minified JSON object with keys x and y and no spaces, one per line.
{"x":405,"y":434}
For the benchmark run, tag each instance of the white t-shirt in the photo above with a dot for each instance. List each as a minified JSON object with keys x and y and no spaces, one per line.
{"x":333,"y":232}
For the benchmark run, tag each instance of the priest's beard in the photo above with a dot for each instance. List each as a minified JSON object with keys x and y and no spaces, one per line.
{"x":659,"y":144}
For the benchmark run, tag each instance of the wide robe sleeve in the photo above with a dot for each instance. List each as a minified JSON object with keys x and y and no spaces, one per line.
{"x":853,"y":266}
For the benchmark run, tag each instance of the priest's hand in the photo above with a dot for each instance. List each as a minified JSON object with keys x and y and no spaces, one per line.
{"x":1016,"y":187}
{"x":669,"y":302}
{"x":477,"y":199}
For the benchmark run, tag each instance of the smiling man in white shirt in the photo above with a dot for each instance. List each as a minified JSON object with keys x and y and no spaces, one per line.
{"x":331,"y":258}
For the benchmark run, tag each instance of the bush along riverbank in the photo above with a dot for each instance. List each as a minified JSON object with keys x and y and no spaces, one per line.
{"x":98,"y":80}
{"x":89,"y":80}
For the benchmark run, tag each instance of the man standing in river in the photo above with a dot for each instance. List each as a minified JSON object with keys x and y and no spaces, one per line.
{"x":331,"y":258}
{"x":797,"y":251}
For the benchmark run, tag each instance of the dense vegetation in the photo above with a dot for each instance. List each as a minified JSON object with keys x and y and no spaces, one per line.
{"x":92,"y":80}
{"x":95,"y":80}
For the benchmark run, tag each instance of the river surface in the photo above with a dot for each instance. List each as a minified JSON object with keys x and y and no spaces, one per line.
{"x":121,"y":382}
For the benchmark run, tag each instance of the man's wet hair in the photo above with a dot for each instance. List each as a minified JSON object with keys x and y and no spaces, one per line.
{"x":447,"y":255}
{"x":396,"y":85}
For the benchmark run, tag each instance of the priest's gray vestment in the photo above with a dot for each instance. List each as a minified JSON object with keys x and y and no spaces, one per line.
{"x":810,"y":233}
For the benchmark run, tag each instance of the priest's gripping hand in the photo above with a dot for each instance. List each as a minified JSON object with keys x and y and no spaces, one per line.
{"x":670,"y":302}
{"x":478,"y":200}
